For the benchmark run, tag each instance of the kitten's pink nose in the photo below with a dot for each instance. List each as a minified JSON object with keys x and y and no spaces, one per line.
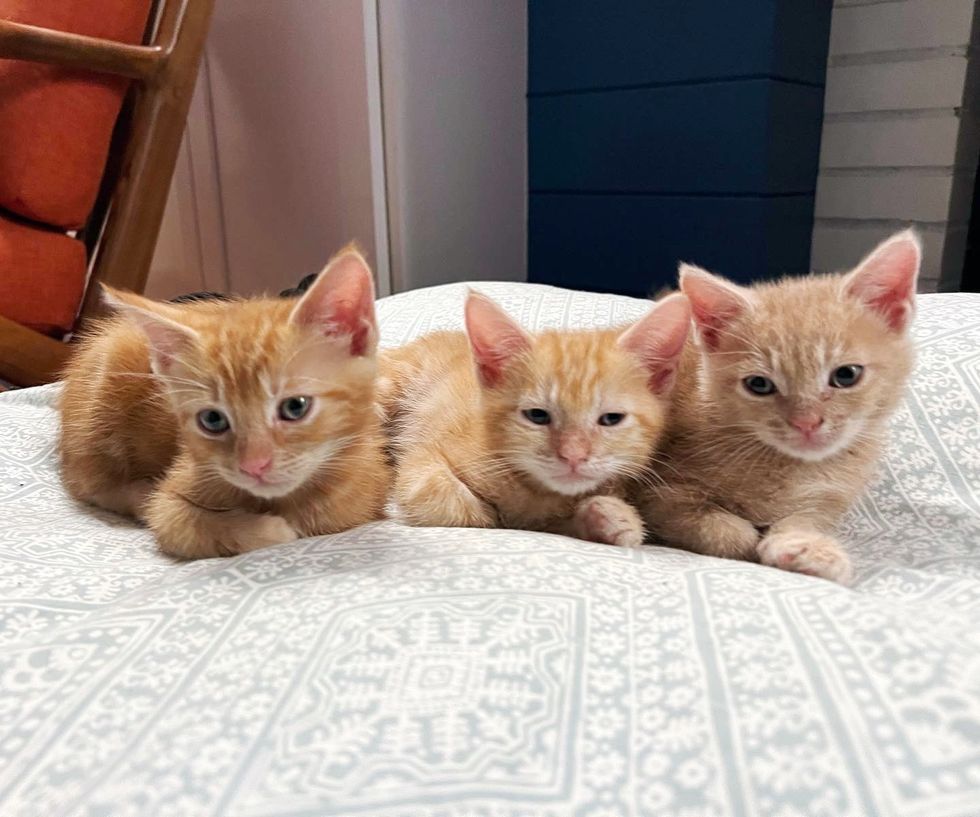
{"x":806,"y":423}
{"x":573,"y":460}
{"x":255,"y":466}
{"x":573,"y":451}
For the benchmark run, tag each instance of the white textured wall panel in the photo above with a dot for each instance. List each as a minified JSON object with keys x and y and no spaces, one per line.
{"x":900,"y":196}
{"x":899,"y":26}
{"x":896,"y":86}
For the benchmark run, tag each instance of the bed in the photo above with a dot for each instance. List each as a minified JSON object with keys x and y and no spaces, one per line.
{"x":391,"y":671}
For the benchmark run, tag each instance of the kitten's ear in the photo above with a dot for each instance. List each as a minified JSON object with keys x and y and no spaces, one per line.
{"x":715,"y":302}
{"x":658,"y":340}
{"x":495,"y":338}
{"x":885,"y":280}
{"x":340,"y":303}
{"x":168,"y":339}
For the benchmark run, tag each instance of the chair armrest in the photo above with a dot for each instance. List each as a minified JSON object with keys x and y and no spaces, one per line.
{"x":20,"y":41}
{"x":28,"y":358}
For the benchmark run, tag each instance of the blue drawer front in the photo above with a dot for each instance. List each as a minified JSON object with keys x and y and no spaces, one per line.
{"x":661,"y":130}
{"x":750,"y":136}
{"x":579,"y":44}
{"x":631,"y":244}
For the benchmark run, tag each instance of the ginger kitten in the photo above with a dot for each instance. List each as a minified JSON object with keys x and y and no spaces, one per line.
{"x":496,"y":427}
{"x":231,"y":425}
{"x":781,"y":410}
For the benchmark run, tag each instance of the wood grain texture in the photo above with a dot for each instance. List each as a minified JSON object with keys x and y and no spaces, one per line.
{"x":124,"y":249}
{"x":28,"y":358}
{"x":20,"y":41}
{"x":122,"y":231}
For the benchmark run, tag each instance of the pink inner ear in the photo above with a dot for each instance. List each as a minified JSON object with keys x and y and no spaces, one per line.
{"x":715,"y":304}
{"x":885,"y":280}
{"x":494,"y":338}
{"x":166,"y":342}
{"x":341,"y":303}
{"x":167,"y":339}
{"x":658,"y":340}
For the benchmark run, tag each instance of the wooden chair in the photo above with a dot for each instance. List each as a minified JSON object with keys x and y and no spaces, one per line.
{"x":121,"y":233}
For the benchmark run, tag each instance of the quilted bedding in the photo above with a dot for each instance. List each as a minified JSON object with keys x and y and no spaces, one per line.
{"x":391,"y":671}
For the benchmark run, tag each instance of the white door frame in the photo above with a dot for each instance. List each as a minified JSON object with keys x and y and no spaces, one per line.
{"x":379,"y":177}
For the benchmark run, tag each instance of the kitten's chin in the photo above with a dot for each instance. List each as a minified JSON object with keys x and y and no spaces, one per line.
{"x":264,"y":490}
{"x":569,"y":485}
{"x":272,"y":491}
{"x":808,"y":451}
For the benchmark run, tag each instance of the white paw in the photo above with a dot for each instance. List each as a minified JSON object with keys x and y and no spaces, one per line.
{"x":609,"y":520}
{"x":809,"y":552}
{"x":254,"y":531}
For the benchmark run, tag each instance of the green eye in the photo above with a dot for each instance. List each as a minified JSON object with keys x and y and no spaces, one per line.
{"x":212,"y":421}
{"x":537,"y":416}
{"x":613,"y":418}
{"x":295,"y":408}
{"x":757,"y":384}
{"x":844,"y":377}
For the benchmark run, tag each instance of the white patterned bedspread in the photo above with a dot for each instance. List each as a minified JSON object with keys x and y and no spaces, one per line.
{"x":430,"y":672}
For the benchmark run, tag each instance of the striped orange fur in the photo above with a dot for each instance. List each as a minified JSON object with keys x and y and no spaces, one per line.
{"x":132,"y":439}
{"x":766,"y":476}
{"x":467,"y":452}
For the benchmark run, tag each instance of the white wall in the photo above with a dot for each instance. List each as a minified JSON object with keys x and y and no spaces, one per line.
{"x":288,"y":117}
{"x":454,"y":77}
{"x":190,"y":254}
{"x":287,"y":129}
{"x":901,"y":132}
{"x":289,"y":94}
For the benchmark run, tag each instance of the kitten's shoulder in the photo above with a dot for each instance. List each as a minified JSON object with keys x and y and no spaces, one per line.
{"x":435,"y":348}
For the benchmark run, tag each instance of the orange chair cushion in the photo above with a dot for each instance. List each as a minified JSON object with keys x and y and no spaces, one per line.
{"x":42,"y":277}
{"x":56,"y":123}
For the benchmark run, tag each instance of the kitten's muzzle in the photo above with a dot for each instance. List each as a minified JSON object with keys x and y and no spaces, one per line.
{"x":811,"y":437}
{"x":256,"y":467}
{"x":573,"y":451}
{"x":807,"y":423}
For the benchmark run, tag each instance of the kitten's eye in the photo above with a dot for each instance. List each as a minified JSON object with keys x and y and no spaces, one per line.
{"x":843,"y":377}
{"x":537,"y":416}
{"x":611,"y":419}
{"x":295,"y":408}
{"x":212,"y":421}
{"x":757,"y":384}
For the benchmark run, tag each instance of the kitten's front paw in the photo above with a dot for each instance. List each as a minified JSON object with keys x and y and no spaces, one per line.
{"x":254,"y":531}
{"x":724,"y":534}
{"x":809,"y":552}
{"x":441,"y":501}
{"x":609,"y":520}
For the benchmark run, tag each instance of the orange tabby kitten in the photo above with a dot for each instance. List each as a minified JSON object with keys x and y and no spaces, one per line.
{"x":497,"y":427}
{"x":781,"y":409}
{"x":231,"y":425}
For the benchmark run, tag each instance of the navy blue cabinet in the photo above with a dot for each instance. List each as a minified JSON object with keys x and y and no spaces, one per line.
{"x":672,"y":129}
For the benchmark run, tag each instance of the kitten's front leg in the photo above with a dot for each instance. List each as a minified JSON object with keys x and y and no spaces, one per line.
{"x":609,"y":520}
{"x":350,"y":498}
{"x":127,"y":499}
{"x":796,"y":543}
{"x":428,"y":493}
{"x":188,"y":531}
{"x":689,"y":521}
